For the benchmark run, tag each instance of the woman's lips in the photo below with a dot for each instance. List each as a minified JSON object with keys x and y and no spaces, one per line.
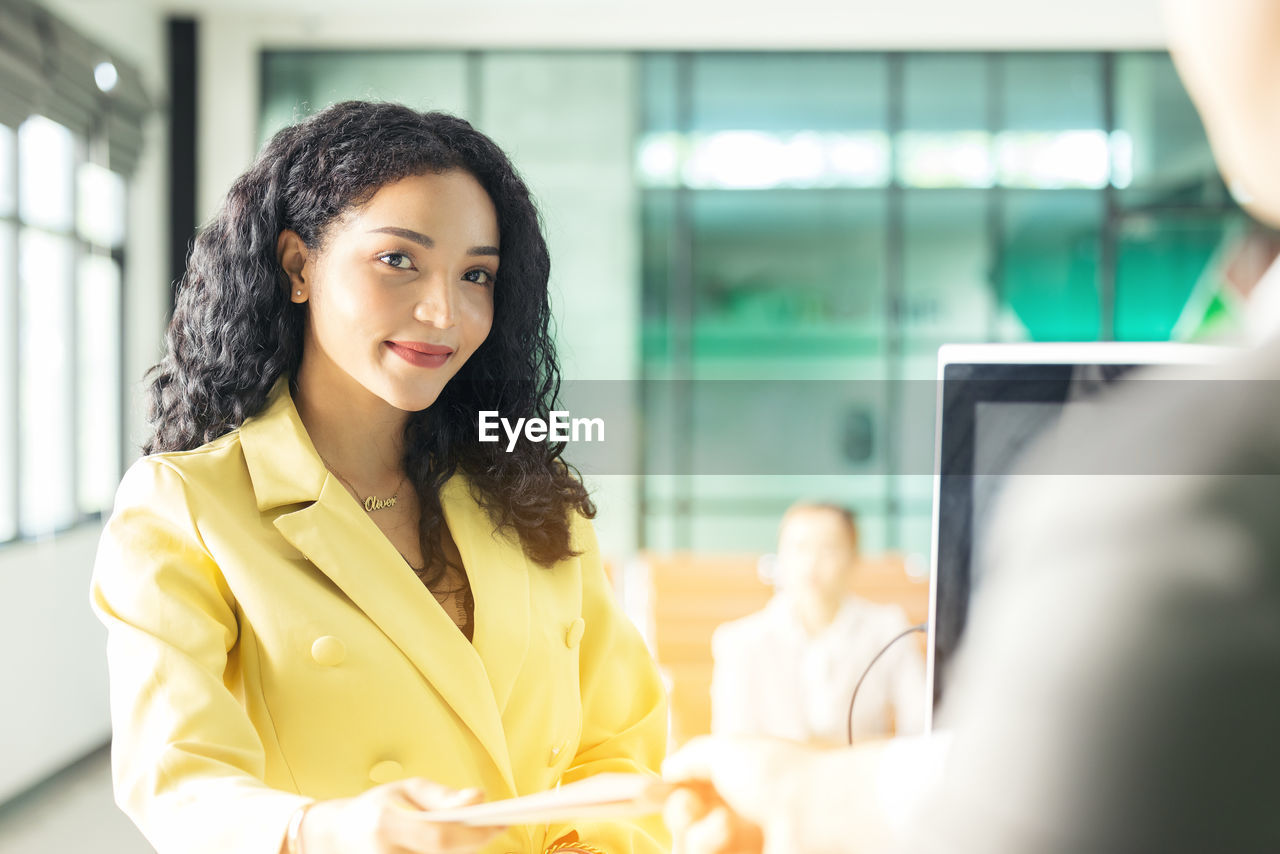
{"x":421,"y":355}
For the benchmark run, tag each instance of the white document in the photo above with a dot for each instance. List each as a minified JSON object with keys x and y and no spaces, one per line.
{"x":604,"y":796}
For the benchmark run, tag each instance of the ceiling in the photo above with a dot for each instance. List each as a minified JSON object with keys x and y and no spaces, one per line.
{"x":905,"y":24}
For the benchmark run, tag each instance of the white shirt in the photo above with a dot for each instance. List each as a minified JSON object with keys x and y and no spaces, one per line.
{"x":772,"y":678}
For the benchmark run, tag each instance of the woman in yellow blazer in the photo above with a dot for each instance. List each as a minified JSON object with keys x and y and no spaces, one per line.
{"x":330,"y":607}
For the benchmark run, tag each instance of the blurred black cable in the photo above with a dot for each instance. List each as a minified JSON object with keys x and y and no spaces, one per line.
{"x":923,"y":627}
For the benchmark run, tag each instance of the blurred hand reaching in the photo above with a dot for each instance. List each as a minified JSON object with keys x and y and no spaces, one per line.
{"x":735,"y":794}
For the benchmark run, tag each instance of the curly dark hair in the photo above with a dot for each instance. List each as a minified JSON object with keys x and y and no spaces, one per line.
{"x":235,"y":332}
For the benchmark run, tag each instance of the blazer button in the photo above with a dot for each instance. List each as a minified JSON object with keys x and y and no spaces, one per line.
{"x":328,"y":651}
{"x":386,"y":771}
{"x":556,"y":751}
{"x":573,"y":636}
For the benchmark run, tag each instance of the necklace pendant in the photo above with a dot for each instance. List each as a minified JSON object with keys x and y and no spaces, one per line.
{"x":371,"y":503}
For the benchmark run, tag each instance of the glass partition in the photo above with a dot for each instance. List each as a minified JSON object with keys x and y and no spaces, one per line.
{"x":824,"y":216}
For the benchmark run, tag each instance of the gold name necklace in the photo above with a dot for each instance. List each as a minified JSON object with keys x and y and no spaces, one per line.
{"x":372,"y":503}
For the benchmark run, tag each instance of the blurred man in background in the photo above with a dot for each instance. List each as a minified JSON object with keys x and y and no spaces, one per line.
{"x":790,"y":669}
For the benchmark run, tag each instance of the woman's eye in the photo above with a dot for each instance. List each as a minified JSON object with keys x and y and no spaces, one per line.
{"x":480,"y":277}
{"x":399,"y":260}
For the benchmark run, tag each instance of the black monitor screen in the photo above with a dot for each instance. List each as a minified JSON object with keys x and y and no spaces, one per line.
{"x":990,"y":414}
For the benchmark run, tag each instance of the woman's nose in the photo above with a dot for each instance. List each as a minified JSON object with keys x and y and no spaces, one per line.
{"x":435,"y":304}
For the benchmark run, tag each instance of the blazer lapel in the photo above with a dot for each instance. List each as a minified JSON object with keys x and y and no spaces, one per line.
{"x":499,"y":575}
{"x":336,"y":535}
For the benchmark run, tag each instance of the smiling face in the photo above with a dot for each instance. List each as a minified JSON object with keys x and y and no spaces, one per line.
{"x":400,"y":295}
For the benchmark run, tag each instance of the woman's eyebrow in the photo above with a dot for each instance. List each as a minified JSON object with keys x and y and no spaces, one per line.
{"x":422,"y":239}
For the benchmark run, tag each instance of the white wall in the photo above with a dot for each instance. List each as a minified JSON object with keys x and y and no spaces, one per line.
{"x":55,"y":680}
{"x":704,"y":24}
{"x":55,"y":675}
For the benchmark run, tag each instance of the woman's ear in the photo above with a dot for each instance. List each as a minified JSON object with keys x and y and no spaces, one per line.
{"x":293,"y":256}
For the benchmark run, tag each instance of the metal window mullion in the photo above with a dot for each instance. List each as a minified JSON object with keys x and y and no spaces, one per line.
{"x":9,"y":337}
{"x":682,"y":306}
{"x":895,"y":292}
{"x":120,"y":256}
{"x":996,"y":197}
{"x":1108,"y":236}
{"x":473,"y":73}
{"x":641,"y":392}
{"x":71,"y":324}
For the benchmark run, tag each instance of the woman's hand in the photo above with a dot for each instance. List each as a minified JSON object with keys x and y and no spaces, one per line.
{"x":388,"y":819}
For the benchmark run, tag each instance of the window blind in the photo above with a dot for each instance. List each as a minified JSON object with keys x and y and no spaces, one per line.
{"x":47,"y":67}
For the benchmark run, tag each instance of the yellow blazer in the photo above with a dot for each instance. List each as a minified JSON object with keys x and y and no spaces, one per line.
{"x":268,"y":645}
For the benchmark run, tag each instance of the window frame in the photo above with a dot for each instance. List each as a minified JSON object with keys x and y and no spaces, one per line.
{"x":82,"y":247}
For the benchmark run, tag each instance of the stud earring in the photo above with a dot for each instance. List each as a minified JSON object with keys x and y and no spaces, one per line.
{"x":299,"y":293}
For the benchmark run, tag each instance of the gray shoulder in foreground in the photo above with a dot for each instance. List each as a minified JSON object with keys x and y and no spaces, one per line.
{"x":1118,"y":681}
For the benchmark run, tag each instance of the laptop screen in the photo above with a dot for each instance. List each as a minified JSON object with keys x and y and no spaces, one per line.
{"x":994,"y":401}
